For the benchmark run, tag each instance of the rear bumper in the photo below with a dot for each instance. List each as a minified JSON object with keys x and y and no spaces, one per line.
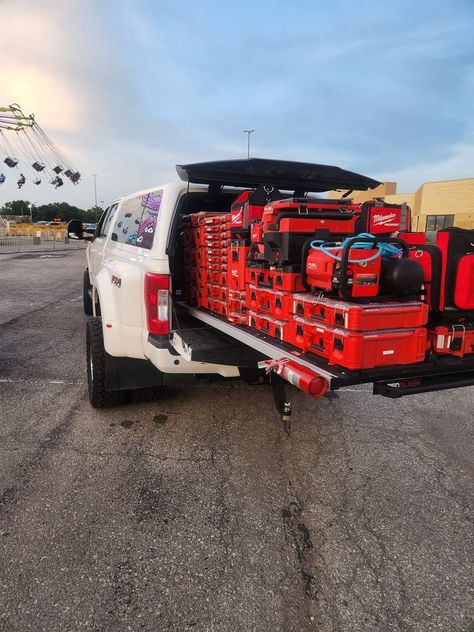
{"x":165,"y":358}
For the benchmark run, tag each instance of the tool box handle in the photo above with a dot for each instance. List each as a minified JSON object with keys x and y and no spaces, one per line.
{"x":339,"y":215}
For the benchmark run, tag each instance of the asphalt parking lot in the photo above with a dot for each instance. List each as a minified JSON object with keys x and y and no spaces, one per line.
{"x":193,"y":510}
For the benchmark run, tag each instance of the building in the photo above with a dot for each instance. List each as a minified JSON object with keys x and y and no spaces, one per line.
{"x":434,"y":205}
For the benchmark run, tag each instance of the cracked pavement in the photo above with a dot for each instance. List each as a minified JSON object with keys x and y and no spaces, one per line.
{"x":192,"y":509}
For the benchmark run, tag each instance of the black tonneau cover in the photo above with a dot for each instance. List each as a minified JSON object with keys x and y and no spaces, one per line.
{"x":284,"y":174}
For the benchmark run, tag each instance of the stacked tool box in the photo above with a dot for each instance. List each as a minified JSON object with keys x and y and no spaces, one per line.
{"x":263,"y":267}
{"x":212,"y":238}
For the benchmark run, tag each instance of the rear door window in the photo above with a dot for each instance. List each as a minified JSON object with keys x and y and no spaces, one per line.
{"x":136,"y":220}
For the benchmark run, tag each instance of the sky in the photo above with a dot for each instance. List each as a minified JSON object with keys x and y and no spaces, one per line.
{"x":129,"y":88}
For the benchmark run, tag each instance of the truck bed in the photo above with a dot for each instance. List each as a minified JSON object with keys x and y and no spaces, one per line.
{"x":433,"y":374}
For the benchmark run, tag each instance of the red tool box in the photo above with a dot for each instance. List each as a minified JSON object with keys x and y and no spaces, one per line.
{"x":287,"y":278}
{"x":456,"y":339}
{"x":359,"y":317}
{"x":237,"y":254}
{"x":380,"y":218}
{"x":269,"y":302}
{"x":358,"y":350}
{"x":236,"y":300}
{"x":288,"y":224}
{"x":268,"y":325}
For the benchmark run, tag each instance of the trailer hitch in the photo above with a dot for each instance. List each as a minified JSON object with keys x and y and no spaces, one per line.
{"x":305,"y":379}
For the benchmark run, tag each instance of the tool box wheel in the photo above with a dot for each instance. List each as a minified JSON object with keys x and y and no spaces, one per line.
{"x":99,"y":396}
{"x":87,"y":294}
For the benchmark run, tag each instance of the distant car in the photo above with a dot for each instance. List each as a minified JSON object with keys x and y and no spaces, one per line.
{"x":89,"y":226}
{"x":41,"y":223}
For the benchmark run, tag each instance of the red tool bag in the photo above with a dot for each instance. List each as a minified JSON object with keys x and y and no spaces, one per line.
{"x":456,"y":340}
{"x":429,"y":257}
{"x":457,"y":284}
{"x":287,"y":224}
{"x":366,"y":317}
{"x":379,"y":218}
{"x":346,"y":270}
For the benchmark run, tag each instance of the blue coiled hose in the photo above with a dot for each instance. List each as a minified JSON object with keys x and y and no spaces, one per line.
{"x":384,"y":249}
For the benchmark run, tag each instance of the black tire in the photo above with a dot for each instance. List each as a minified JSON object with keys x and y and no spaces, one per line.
{"x":86,"y":294}
{"x":99,"y":396}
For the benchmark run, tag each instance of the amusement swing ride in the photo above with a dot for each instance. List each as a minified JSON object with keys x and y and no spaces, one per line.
{"x":25,"y":147}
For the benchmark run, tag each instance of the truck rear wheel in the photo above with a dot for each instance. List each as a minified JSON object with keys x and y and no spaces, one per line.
{"x":87,"y":294}
{"x":99,"y":396}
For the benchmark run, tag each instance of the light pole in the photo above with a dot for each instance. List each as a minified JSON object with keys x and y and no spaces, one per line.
{"x":94,"y":175}
{"x":30,"y":206}
{"x":248,"y":132}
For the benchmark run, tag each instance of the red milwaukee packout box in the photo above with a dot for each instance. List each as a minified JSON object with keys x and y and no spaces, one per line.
{"x":217,"y":291}
{"x":272,"y":303}
{"x":306,"y":216}
{"x":379,"y":218}
{"x":358,"y":350}
{"x":456,"y":340}
{"x":237,"y":254}
{"x":218,"y":306}
{"x":287,"y":278}
{"x":237,"y":318}
{"x":359,"y":317}
{"x":236,"y":301}
{"x":268,"y":325}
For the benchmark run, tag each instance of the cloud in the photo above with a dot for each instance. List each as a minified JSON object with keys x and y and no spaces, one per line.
{"x":129,"y":88}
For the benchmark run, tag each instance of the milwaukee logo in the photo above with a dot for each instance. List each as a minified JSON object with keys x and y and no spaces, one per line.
{"x":385,"y":220}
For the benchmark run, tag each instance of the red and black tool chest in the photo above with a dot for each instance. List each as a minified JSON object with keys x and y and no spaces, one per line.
{"x":359,"y":317}
{"x":285,"y":278}
{"x":356,"y":350}
{"x":380,"y":218}
{"x":287,"y":224}
{"x":237,"y":254}
{"x":272,"y":303}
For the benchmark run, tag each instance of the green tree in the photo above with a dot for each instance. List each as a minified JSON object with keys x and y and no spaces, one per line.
{"x":47,"y":212}
{"x":16,"y":207}
{"x":93,"y":214}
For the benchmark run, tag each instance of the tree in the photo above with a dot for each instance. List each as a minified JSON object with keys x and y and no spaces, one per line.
{"x":47,"y":212}
{"x":92,"y":215}
{"x":17,"y":207}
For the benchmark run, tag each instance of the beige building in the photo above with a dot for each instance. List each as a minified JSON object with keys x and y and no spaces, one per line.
{"x":434,"y":205}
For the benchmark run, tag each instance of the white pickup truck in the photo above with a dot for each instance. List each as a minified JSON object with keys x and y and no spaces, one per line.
{"x":140,"y":327}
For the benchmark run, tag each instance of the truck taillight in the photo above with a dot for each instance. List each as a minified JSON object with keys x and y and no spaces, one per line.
{"x":157,"y":302}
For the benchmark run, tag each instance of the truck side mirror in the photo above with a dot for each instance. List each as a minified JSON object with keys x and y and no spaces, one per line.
{"x":75,"y":230}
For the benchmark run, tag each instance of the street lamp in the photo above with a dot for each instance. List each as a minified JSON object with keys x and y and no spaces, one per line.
{"x":248,"y":132}
{"x":30,"y":207}
{"x":94,"y":175}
